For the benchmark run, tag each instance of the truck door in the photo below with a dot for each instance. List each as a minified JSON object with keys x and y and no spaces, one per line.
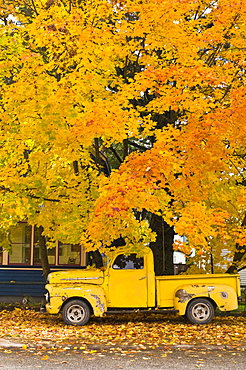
{"x":127,"y":282}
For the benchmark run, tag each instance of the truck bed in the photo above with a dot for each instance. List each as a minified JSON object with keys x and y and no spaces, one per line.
{"x":166,"y":285}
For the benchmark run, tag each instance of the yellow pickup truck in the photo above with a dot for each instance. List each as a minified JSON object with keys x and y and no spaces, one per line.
{"x":128,"y":282}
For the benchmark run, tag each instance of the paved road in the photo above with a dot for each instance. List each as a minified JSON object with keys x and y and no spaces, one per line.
{"x":166,"y":358}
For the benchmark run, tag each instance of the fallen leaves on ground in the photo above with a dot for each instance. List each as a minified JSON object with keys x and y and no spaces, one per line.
{"x":137,"y":329}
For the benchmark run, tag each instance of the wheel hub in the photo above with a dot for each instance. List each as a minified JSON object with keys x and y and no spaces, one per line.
{"x":201,"y":312}
{"x":75,"y":314}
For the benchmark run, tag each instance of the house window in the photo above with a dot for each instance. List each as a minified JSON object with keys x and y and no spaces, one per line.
{"x":20,"y":237}
{"x":36,"y":252}
{"x":26,"y":249}
{"x":69,"y":254}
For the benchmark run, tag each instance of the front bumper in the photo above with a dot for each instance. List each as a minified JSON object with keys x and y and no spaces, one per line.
{"x":43,"y":309}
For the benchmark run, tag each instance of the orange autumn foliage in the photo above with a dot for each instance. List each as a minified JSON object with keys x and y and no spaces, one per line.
{"x":74,"y":71}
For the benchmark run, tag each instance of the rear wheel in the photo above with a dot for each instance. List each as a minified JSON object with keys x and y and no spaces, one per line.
{"x":200,"y":311}
{"x":76,"y":312}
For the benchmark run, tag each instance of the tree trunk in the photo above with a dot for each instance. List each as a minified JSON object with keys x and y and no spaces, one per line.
{"x":238,"y":255}
{"x":43,"y":252}
{"x":97,"y":258}
{"x":163,"y":246}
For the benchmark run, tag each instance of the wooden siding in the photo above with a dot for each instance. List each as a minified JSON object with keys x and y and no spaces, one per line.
{"x":22,"y":281}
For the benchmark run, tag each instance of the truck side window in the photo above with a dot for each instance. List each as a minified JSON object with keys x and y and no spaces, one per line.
{"x":130,"y":262}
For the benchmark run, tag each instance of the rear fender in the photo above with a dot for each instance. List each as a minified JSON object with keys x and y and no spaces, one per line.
{"x":224,"y":296}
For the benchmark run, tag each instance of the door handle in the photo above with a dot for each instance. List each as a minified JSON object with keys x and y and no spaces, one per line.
{"x":142,"y":278}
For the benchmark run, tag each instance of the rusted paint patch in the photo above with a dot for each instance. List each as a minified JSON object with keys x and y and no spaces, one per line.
{"x":183,"y":296}
{"x":99,"y":304}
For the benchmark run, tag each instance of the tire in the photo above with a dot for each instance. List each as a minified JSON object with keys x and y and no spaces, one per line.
{"x":76,"y":312}
{"x":200,"y":311}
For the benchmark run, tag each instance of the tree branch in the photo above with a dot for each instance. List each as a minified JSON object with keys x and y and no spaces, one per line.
{"x":115,"y":154}
{"x":126,"y":148}
{"x":3,"y":188}
{"x":136,"y":145}
{"x":34,"y":7}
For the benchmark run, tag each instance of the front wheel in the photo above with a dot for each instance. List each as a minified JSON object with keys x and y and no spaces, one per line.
{"x":76,"y":312}
{"x":200,"y":311}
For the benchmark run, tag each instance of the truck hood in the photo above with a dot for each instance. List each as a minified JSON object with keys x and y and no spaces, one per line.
{"x":90,"y":276}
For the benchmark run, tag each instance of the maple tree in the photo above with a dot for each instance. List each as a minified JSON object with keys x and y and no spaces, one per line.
{"x":159,"y":86}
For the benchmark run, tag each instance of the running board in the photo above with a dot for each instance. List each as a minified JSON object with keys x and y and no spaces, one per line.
{"x":163,"y":312}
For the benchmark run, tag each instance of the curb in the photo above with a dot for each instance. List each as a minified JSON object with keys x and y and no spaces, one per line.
{"x":43,"y":345}
{"x":5,"y":343}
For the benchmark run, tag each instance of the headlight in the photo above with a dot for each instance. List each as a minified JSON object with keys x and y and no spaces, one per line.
{"x":47,"y":297}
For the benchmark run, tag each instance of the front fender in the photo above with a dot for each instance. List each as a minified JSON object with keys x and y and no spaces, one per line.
{"x":59,"y":294}
{"x":223,"y":295}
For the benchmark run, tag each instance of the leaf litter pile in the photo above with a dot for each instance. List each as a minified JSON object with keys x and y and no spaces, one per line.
{"x":132,"y":330}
